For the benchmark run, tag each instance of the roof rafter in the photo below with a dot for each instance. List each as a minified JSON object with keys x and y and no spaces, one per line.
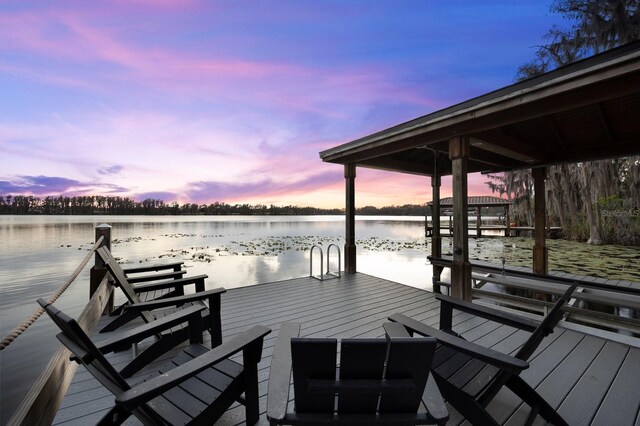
{"x":505,"y":145}
{"x":605,"y":122}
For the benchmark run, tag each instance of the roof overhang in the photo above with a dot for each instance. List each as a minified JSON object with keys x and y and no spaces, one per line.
{"x":585,"y":111}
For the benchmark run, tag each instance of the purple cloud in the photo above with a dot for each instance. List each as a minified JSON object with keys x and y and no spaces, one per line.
{"x":113,"y":170}
{"x":210,"y":191}
{"x":53,"y":185}
{"x":165,"y":196}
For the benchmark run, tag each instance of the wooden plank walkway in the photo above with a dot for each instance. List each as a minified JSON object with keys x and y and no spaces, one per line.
{"x":591,"y":380}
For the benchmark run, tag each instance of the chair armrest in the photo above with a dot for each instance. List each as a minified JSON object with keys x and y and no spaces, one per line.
{"x":395,"y":329}
{"x":196,"y":279}
{"x":155,"y":277}
{"x":139,"y":333}
{"x":155,"y":267}
{"x":449,"y":303}
{"x":280,"y":373}
{"x":433,"y":401}
{"x":150,"y":389}
{"x":498,"y":359}
{"x":173,"y":301}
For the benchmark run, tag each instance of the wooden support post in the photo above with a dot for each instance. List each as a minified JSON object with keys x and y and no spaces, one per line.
{"x":98,"y":271}
{"x":507,"y":232}
{"x":459,"y":148}
{"x":350,"y":220}
{"x":436,"y":239}
{"x":478,"y":222}
{"x":540,"y":251}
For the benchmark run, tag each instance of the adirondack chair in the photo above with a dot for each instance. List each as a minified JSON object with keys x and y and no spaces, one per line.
{"x":481,"y":372}
{"x":379,"y":381}
{"x":153,"y":300}
{"x":195,"y":387}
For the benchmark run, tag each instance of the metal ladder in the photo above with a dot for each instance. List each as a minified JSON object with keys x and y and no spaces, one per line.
{"x":328,"y":275}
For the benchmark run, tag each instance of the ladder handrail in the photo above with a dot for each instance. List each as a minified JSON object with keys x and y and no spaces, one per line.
{"x":339,"y":259}
{"x":320,"y":277}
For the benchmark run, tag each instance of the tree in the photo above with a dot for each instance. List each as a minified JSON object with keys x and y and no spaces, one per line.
{"x":595,"y":26}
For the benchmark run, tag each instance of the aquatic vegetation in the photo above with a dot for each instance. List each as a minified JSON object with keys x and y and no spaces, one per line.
{"x":607,"y":261}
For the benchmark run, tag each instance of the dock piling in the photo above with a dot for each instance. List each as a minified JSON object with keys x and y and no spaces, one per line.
{"x":98,"y":271}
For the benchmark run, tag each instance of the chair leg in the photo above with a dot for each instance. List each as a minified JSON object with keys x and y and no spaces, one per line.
{"x":464,"y":403}
{"x":534,"y":400}
{"x":252,"y":408}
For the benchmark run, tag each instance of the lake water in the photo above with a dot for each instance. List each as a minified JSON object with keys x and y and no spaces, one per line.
{"x":39,"y":253}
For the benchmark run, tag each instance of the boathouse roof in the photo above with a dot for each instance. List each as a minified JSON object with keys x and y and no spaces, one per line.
{"x":477,"y":201}
{"x":584,"y":111}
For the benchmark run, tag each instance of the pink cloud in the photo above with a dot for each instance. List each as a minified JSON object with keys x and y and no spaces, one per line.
{"x":82,"y":38}
{"x":210,"y":191}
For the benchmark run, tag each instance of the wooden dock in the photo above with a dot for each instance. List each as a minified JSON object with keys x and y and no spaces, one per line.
{"x":590,"y":379}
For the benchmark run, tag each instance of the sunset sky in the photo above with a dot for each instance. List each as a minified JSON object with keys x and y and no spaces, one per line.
{"x":203,"y":101}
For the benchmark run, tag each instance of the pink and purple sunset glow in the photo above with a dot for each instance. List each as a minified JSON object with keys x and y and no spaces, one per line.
{"x":203,"y":101}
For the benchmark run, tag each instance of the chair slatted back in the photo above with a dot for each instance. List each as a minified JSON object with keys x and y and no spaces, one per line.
{"x":529,"y":347}
{"x":84,"y":350}
{"x":120,"y":277}
{"x":375,"y":375}
{"x":86,"y":353}
{"x":361,"y":359}
{"x":546,"y":326}
{"x":409,"y":358}
{"x":312,"y":358}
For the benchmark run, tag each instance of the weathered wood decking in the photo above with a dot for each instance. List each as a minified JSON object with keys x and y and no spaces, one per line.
{"x":591,"y":380}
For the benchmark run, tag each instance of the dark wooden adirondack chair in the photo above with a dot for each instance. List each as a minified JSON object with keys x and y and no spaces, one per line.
{"x":195,"y":387}
{"x":486,"y":371}
{"x":379,"y":381}
{"x":153,"y":300}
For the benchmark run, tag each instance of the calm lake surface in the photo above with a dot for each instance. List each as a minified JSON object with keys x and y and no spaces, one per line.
{"x":39,"y":253}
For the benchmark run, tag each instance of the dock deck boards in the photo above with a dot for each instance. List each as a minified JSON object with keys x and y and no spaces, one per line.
{"x":590,"y":379}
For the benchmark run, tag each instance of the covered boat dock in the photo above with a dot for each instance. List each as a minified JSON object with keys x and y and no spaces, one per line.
{"x":585,"y":111}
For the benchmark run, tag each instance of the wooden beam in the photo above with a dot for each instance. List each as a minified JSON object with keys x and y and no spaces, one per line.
{"x":605,"y":122}
{"x":477,"y":155}
{"x":393,"y":165}
{"x":508,"y":146}
{"x":540,"y":251}
{"x":350,"y":219}
{"x":459,"y":149}
{"x":551,"y":124}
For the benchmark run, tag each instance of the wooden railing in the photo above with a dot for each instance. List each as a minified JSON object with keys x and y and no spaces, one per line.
{"x":41,"y":403}
{"x":616,"y":298}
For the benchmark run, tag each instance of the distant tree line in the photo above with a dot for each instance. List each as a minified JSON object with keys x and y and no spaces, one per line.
{"x":109,"y":205}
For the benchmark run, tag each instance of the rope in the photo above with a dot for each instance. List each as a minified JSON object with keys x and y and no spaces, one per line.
{"x":20,"y":328}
